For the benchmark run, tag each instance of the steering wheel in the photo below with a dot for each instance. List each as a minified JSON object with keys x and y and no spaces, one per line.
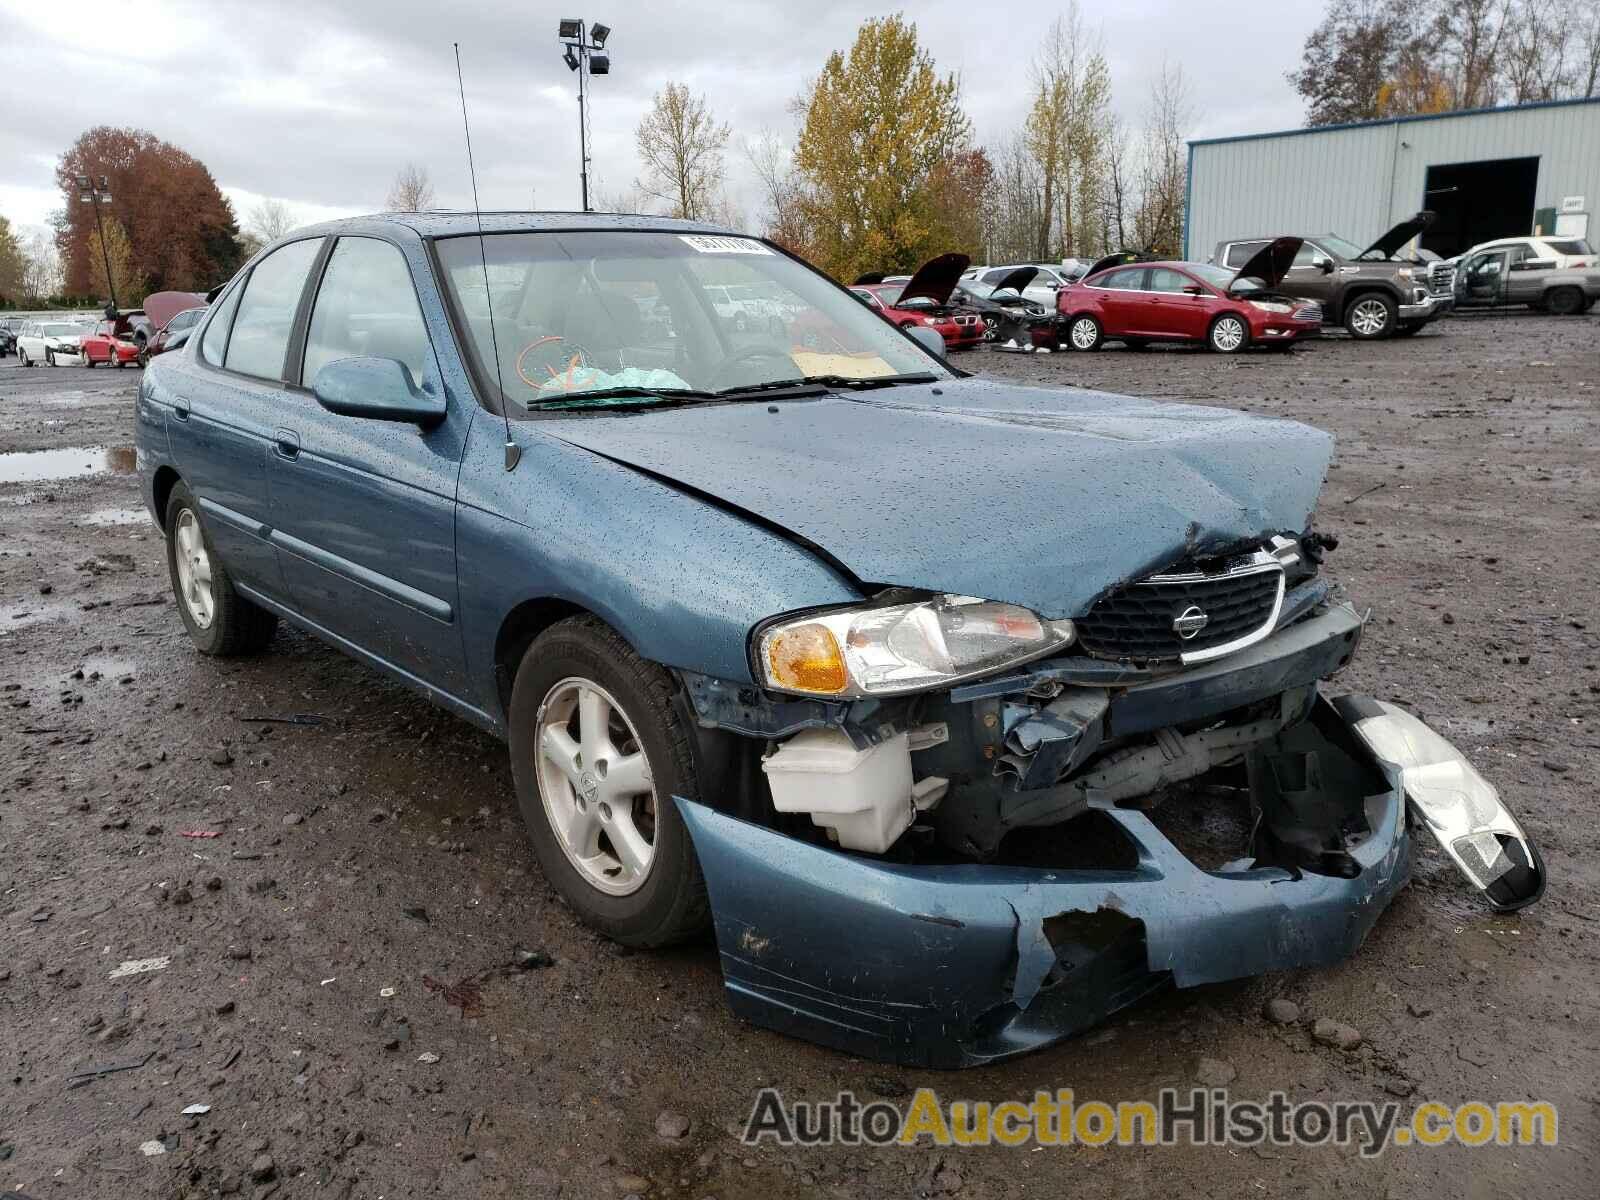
{"x":557,"y":356}
{"x":748,"y":354}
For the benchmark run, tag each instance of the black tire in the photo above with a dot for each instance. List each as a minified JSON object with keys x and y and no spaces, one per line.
{"x":671,"y":904}
{"x":22,"y":357}
{"x":1085,"y":332}
{"x":118,"y":359}
{"x":1379,"y":307}
{"x":1228,"y":334}
{"x":1565,"y":301}
{"x":49,"y":358}
{"x":237,"y":626}
{"x":88,"y":362}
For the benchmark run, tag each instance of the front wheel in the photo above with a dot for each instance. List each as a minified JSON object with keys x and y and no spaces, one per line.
{"x":1564,"y":301}
{"x":219,"y":620}
{"x":1371,"y":316}
{"x":49,"y":358}
{"x":598,"y":751}
{"x":88,"y":362}
{"x":1085,"y":333}
{"x":1228,"y":334}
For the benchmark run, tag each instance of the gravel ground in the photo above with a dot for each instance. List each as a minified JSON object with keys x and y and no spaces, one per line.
{"x":344,"y":973}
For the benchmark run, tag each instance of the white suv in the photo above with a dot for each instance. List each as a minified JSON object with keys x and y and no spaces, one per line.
{"x":1561,"y":253}
{"x":41,"y":341}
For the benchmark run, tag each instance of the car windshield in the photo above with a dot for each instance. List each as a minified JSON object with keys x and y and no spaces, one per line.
{"x":1337,"y":245}
{"x":582,"y":318}
{"x":1217,"y":277}
{"x":60,"y":329}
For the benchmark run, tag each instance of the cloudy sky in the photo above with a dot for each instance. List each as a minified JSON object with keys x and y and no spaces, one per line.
{"x":319,"y":103}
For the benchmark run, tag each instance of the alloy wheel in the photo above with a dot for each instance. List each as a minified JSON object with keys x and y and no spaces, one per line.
{"x":596,"y":784}
{"x":1227,"y":334}
{"x":1369,"y":317}
{"x":1084,"y":334}
{"x":194,"y":570}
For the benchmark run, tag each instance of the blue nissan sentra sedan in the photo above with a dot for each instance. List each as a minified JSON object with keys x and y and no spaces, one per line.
{"x":889,"y":675}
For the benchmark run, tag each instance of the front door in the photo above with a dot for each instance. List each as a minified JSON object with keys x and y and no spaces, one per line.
{"x":363,"y":510}
{"x":1176,"y":312}
{"x":1482,"y":281}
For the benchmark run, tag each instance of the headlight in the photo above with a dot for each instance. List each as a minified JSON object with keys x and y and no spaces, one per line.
{"x":902,"y":647}
{"x":1403,"y":274}
{"x":930,"y":320}
{"x":1272,"y":306}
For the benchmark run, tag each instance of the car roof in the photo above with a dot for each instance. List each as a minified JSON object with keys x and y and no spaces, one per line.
{"x":453,"y":224}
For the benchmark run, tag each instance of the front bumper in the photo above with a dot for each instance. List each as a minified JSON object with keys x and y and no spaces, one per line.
{"x":962,"y":964}
{"x":1425,"y":306}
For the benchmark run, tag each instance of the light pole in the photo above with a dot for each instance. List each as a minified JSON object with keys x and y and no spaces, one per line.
{"x":586,"y":55}
{"x":89,"y":194}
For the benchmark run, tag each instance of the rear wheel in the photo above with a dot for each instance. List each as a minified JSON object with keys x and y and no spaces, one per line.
{"x":598,"y":751}
{"x":1564,"y":301}
{"x":1371,"y":316}
{"x":1228,"y":334}
{"x":1085,"y":333}
{"x":219,"y":620}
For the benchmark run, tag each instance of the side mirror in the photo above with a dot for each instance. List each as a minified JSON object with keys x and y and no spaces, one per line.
{"x":930,"y":340}
{"x":1325,"y":265}
{"x":1193,"y":289}
{"x":378,"y":389}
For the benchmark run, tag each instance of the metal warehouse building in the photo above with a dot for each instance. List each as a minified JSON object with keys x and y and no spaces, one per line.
{"x":1487,"y":173}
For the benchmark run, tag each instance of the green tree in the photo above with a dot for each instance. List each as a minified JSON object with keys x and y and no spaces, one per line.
{"x":876,"y":125}
{"x":13,"y":265}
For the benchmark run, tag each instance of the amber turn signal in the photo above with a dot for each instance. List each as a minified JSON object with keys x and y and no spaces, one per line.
{"x":806,"y":658}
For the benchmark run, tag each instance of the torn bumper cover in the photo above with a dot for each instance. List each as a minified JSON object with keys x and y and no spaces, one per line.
{"x":962,"y":964}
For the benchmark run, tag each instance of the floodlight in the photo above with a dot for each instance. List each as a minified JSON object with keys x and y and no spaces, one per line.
{"x":571,"y":59}
{"x":599,"y":63}
{"x":598,"y":34}
{"x":569,"y":27}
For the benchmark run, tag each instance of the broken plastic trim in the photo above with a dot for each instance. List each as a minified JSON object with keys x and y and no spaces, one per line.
{"x":1460,"y":807}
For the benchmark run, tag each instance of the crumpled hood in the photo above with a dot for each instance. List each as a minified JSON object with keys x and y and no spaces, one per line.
{"x":1042,"y":497}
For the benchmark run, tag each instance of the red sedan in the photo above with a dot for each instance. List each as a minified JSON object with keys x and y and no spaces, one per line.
{"x":106,"y":345}
{"x":925,"y":300}
{"x":1227,"y":311}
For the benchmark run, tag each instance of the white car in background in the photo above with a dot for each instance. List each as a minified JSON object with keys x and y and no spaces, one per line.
{"x":1042,"y":289}
{"x":1556,"y":253}
{"x":41,"y":341}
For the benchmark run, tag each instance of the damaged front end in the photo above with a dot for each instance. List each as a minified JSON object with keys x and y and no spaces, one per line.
{"x":945,"y":878}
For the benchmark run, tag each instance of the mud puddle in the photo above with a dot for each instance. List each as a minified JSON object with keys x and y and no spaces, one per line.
{"x":70,"y":462}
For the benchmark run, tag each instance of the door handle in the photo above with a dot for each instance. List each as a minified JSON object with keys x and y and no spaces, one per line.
{"x":181,"y":411}
{"x":287,"y":442}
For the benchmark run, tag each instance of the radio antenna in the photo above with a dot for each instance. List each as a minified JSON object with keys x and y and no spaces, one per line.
{"x":513,"y":453}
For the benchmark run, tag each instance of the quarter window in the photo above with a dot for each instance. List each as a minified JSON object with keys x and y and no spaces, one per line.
{"x":266,"y":313}
{"x":366,"y":307}
{"x":215,"y":341}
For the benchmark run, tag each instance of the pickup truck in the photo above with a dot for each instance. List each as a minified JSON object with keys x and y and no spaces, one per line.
{"x":1370,"y":292}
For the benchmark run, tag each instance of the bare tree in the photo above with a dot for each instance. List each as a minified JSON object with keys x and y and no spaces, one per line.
{"x":270,"y":220}
{"x":411,"y":191}
{"x":1537,"y":41}
{"x":41,"y":275}
{"x":1589,"y":49}
{"x":681,"y":145}
{"x":1164,"y":169}
{"x":628,"y":200}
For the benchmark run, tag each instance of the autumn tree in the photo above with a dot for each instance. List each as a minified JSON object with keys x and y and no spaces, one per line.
{"x":681,"y":145}
{"x":115,"y":255}
{"x":783,"y":215}
{"x":957,"y":187}
{"x":13,"y":265}
{"x":411,"y":191}
{"x":875,"y":126}
{"x":1164,"y":165}
{"x":179,"y":226}
{"x":1064,"y":132}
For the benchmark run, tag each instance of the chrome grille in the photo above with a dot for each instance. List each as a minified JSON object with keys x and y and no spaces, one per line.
{"x":1442,"y":279}
{"x":1308,"y":312}
{"x":1240,"y":603}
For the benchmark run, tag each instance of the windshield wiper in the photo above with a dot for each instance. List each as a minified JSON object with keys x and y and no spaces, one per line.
{"x":622,"y":397}
{"x":834,"y":381}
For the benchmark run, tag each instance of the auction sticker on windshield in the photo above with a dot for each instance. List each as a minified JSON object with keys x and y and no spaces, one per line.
{"x":709,"y":244}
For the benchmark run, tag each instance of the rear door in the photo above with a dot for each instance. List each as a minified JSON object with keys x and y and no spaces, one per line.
{"x":363,"y":510}
{"x":222,"y":428}
{"x":1525,"y":274}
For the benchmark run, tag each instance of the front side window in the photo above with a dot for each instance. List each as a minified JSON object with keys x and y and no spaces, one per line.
{"x":1162,"y":279}
{"x":265,"y":317}
{"x":1127,"y":280}
{"x":366,"y":307}
{"x":628,"y":315}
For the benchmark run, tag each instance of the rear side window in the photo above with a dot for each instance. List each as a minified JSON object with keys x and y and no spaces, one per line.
{"x":1571,"y":246}
{"x":183,"y":320}
{"x":366,"y":306}
{"x":1241,"y":252}
{"x":266,"y":313}
{"x":216,"y":338}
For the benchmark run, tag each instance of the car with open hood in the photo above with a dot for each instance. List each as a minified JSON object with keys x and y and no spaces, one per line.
{"x":903,"y":682}
{"x":46,"y":341}
{"x":1372,"y":292}
{"x":924,"y":300}
{"x":1137,"y":303}
{"x":1010,"y":317}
